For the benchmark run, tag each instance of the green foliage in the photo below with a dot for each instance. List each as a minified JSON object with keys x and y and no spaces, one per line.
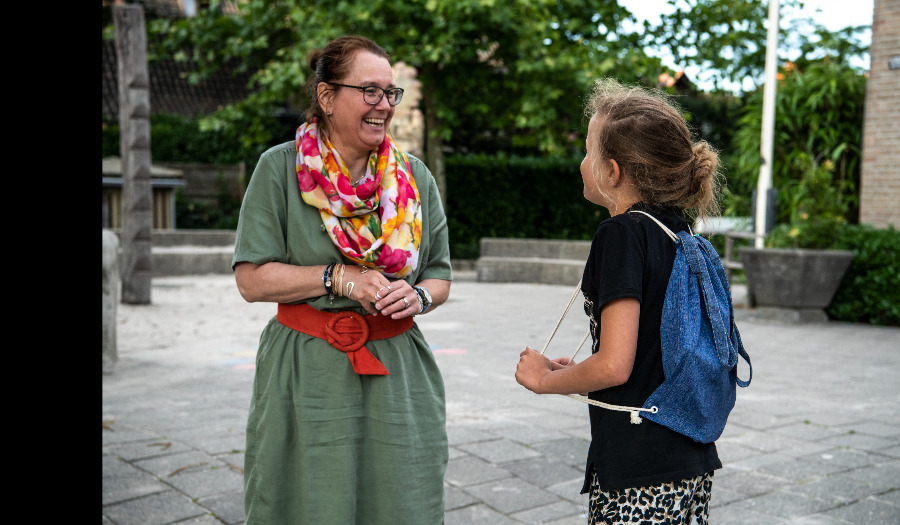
{"x":816,"y":208}
{"x":728,"y":39}
{"x":520,"y":197}
{"x":712,"y":117}
{"x":180,"y":139}
{"x":817,"y":149}
{"x":194,"y":214}
{"x":508,"y":74}
{"x":870,"y":290}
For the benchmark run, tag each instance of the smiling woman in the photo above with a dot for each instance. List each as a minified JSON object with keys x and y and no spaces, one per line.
{"x":346,"y":233}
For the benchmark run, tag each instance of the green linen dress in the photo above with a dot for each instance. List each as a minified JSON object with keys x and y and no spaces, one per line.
{"x":325,"y":445}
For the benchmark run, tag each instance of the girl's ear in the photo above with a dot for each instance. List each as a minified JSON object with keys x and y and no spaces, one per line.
{"x":614,"y":174}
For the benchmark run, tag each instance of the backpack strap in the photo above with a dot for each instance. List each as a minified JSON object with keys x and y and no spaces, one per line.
{"x":720,"y":333}
{"x":669,"y":232}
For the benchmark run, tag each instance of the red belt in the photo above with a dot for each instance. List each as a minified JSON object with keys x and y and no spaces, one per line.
{"x":347,"y":331}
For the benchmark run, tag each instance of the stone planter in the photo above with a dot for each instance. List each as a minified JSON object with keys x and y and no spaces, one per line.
{"x":793,"y":285}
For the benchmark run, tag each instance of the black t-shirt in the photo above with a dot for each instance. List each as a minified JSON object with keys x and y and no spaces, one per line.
{"x":632,"y":257}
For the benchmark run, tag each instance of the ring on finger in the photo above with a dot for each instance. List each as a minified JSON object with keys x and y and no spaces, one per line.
{"x":378,"y":296}
{"x":406,"y":302}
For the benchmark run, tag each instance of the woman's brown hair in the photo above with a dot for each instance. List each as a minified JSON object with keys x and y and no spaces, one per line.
{"x":645,"y":133}
{"x":332,"y":64}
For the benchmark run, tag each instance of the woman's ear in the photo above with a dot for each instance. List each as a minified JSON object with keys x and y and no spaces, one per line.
{"x":324,"y":94}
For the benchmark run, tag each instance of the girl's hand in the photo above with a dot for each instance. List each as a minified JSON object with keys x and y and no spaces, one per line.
{"x":561,"y":362}
{"x":532,"y":368}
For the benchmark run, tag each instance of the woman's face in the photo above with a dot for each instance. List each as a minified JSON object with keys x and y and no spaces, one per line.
{"x":593,"y":166}
{"x":357,"y":128}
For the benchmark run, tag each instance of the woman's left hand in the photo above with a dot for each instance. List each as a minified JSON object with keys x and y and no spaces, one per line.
{"x":398,"y":300}
{"x":531,"y":369}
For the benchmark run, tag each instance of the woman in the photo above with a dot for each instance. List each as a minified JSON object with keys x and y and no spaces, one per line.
{"x":640,"y":157}
{"x":347,"y":234}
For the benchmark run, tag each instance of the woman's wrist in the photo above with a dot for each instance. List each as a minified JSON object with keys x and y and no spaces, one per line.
{"x":328,"y":278}
{"x":424,"y":298}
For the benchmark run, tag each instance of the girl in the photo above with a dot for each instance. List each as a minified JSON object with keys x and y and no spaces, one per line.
{"x":640,"y":156}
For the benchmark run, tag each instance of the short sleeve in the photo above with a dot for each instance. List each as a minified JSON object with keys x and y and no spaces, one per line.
{"x":619,"y":261}
{"x":261,"y":230}
{"x":434,"y":254}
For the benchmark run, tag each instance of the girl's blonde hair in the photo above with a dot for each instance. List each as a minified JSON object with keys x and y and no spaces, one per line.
{"x":648,"y":137}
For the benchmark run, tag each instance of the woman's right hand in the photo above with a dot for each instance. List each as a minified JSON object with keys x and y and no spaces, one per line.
{"x":362,"y":285}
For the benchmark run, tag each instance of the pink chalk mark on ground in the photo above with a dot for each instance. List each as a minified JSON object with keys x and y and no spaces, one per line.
{"x":454,"y":351}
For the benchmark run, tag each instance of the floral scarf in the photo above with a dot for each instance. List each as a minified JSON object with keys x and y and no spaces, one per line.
{"x":378,"y":222}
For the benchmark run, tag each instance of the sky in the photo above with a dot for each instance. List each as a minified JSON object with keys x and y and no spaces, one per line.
{"x":833,"y":14}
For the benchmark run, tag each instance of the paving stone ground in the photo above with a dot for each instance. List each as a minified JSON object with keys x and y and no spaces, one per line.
{"x":815,"y":439}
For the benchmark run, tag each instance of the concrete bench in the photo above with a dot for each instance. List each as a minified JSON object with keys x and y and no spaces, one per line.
{"x":732,"y":228}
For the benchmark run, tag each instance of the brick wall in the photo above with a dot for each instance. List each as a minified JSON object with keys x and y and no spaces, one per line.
{"x":880,"y":177}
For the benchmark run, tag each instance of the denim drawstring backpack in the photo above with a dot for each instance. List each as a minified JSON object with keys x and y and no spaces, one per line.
{"x":700,"y":344}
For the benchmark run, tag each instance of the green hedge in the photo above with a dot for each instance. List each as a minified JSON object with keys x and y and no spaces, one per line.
{"x":870,"y":291}
{"x":520,"y":197}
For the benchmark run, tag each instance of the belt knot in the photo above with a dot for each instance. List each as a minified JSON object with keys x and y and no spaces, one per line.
{"x":347,"y":331}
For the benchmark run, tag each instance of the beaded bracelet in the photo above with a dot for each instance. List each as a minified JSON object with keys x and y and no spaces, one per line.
{"x":327,"y":278}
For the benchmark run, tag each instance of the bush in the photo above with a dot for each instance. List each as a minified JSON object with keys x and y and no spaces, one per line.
{"x":520,"y":197}
{"x":198,"y":215}
{"x":180,"y":139}
{"x":870,"y":290}
{"x":817,"y":135}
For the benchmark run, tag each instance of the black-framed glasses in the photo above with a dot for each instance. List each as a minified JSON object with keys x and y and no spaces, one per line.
{"x":373,"y":94}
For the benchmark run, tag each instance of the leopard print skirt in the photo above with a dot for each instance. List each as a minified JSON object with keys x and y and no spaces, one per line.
{"x":683,"y":502}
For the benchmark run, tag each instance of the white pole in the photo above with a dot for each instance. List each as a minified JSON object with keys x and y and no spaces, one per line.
{"x":768,"y":125}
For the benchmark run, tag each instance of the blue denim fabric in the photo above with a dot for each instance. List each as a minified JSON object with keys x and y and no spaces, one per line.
{"x":700,"y":345}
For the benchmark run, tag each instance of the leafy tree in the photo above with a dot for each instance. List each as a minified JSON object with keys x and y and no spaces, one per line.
{"x":727,"y":39}
{"x":817,"y":149}
{"x":500,"y":75}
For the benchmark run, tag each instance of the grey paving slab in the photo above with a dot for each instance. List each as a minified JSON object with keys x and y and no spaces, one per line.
{"x":156,"y":509}
{"x":892,"y":497}
{"x":569,"y":490}
{"x":883,"y":477}
{"x":733,"y":515}
{"x":868,"y":512}
{"x":228,"y":507}
{"x":511,"y":495}
{"x":455,"y":498}
{"x":861,"y":442}
{"x":469,"y":470}
{"x":807,"y":431}
{"x":461,"y":434}
{"x":553,"y":513}
{"x":579,"y":519}
{"x":544,"y":471}
{"x":477,"y":515}
{"x":783,"y":504}
{"x":499,"y":450}
{"x":145,"y":449}
{"x":171,"y":464}
{"x":838,"y":489}
{"x":750,"y":483}
{"x":569,"y":451}
{"x":207,"y":481}
{"x":819,"y":425}
{"x":122,"y":482}
{"x":723,"y":496}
